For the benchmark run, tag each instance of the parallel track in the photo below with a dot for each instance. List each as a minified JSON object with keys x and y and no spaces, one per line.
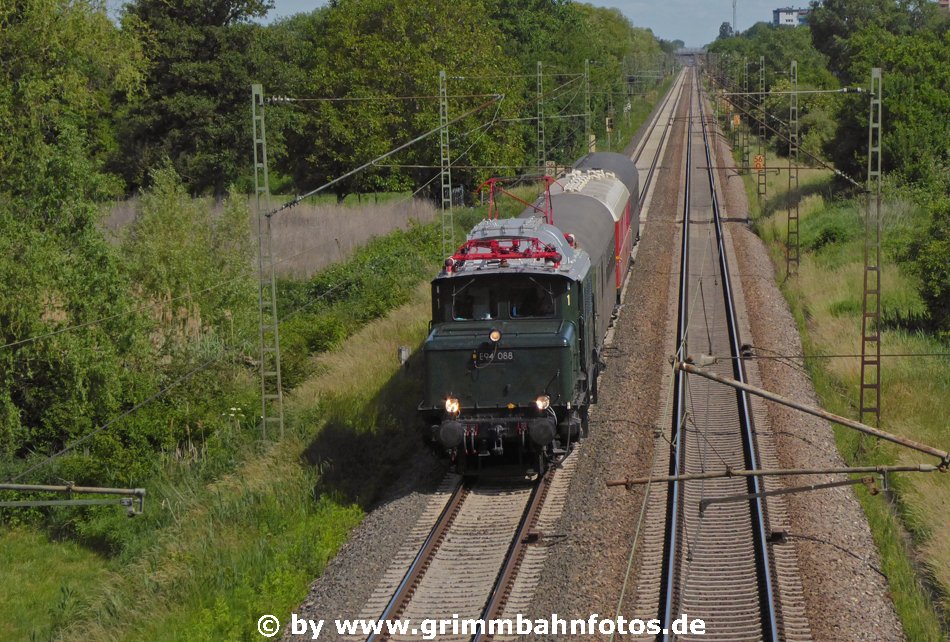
{"x":669,"y":101}
{"x":715,"y":567}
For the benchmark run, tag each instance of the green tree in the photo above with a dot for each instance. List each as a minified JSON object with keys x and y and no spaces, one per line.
{"x":204,"y":56}
{"x":930,"y":260}
{"x":834,"y":22}
{"x":63,"y":61}
{"x":379,"y":60}
{"x":671,"y":46}
{"x":779,"y":46}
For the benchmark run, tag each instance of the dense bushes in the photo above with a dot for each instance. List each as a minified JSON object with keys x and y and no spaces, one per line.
{"x":115,"y":326}
{"x":931,"y":265}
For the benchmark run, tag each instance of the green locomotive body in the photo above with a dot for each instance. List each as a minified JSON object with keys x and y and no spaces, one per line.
{"x":519,"y":316}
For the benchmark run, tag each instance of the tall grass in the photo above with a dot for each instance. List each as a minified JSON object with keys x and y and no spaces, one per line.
{"x":911,"y":531}
{"x":312,"y":235}
{"x":52,"y":579}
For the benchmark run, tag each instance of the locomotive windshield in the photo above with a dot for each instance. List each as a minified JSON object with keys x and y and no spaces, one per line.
{"x":491,"y":298}
{"x":533,"y":300}
{"x":474,"y":301}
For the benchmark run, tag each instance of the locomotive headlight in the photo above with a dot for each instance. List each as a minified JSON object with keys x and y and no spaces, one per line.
{"x":542,"y":402}
{"x":452,"y":405}
{"x":495,"y":335}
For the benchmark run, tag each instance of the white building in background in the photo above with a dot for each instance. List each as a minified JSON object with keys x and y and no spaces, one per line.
{"x":789,"y":17}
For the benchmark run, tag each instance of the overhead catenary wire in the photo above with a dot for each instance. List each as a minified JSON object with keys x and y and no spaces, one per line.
{"x":482,"y":129}
{"x":842,"y":90}
{"x":495,"y":99}
{"x":342,"y":99}
{"x":297,"y":200}
{"x":784,"y":138}
{"x":414,"y":193}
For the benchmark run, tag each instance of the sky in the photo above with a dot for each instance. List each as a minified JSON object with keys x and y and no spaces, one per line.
{"x":696,"y":22}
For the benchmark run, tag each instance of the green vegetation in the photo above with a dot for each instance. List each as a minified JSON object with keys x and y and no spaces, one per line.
{"x":826,"y":299}
{"x":843,"y":40}
{"x":60,"y":574}
{"x":236,"y":528}
{"x":378,"y":63}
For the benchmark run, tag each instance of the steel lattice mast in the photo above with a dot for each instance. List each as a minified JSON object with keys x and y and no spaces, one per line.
{"x":272,"y":396}
{"x":871,"y":301}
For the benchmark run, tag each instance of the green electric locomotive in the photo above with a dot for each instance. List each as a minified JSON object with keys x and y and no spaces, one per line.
{"x":519,"y":316}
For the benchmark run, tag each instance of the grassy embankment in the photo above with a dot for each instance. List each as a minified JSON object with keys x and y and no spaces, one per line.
{"x":911,"y":531}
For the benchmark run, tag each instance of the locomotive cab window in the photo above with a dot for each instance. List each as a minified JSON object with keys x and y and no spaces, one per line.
{"x":474,"y":302}
{"x":481,"y":298}
{"x":531,"y":300}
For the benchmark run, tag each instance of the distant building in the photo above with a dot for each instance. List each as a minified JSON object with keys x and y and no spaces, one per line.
{"x":789,"y":17}
{"x":944,"y":4}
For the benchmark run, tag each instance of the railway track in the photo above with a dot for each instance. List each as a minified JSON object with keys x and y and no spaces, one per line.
{"x":467,"y":565}
{"x":650,"y":149}
{"x":716,"y":564}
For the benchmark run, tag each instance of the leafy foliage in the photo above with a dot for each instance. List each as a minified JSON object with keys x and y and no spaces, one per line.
{"x":203,"y":58}
{"x":380,"y":61}
{"x":930,"y":254}
{"x":178,"y":249}
{"x":833,"y":23}
{"x":780,"y":46}
{"x":910,"y":40}
{"x":62,"y":64}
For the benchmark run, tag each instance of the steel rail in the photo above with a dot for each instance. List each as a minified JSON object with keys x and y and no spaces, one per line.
{"x":504,"y":581}
{"x":509,"y":570}
{"x":760,"y":531}
{"x":423,"y":558}
{"x":674,"y":499}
